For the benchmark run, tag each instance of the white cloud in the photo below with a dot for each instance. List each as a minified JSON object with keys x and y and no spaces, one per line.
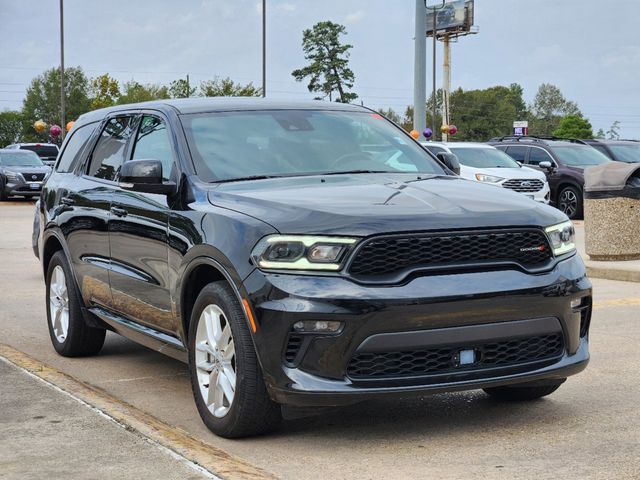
{"x":354,"y":17}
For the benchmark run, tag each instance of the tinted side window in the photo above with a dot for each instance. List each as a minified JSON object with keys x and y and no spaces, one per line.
{"x":538,"y":155}
{"x":74,"y":148}
{"x":517,"y":153}
{"x":602,"y":149}
{"x":153,"y":143}
{"x":110,"y":150}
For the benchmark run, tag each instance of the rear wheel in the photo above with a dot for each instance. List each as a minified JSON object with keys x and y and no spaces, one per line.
{"x":70,"y":335}
{"x":570,"y":202}
{"x":523,"y":392}
{"x":226,"y":378}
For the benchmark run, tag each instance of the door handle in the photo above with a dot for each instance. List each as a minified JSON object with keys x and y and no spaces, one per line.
{"x":67,"y":201}
{"x":119,"y":212}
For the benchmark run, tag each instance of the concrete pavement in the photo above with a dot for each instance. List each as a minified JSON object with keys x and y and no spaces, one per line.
{"x":589,"y":429}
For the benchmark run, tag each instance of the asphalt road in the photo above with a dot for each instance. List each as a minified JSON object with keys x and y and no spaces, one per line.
{"x":590,"y":428}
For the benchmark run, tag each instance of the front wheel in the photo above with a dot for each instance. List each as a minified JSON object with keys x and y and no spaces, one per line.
{"x":226,"y":378}
{"x":70,"y":335}
{"x":523,"y":392}
{"x":570,"y":202}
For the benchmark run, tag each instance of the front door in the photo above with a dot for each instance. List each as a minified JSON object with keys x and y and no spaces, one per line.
{"x":138,"y":236}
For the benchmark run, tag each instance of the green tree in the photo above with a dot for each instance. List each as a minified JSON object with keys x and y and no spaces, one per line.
{"x":328,"y":70}
{"x":391,"y":114}
{"x":42,"y":100}
{"x":11,"y":126}
{"x":548,"y":108}
{"x":574,"y":126}
{"x":134,"y":92}
{"x":614,"y":131}
{"x":600,"y":134}
{"x":181,"y":89}
{"x":225,"y":87}
{"x":105,"y":91}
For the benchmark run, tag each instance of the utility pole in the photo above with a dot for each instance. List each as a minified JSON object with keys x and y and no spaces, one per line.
{"x":264,"y":48}
{"x":434,"y":10}
{"x":62,"y":89}
{"x":446,"y":84}
{"x":420,"y":68}
{"x":188,"y":87}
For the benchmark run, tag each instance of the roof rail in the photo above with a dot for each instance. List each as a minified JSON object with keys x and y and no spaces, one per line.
{"x":535,"y":138}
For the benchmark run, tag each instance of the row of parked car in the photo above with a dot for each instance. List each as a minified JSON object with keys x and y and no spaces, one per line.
{"x":547,"y":169}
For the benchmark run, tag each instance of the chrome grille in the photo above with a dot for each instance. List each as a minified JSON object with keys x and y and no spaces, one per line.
{"x":524,"y":185}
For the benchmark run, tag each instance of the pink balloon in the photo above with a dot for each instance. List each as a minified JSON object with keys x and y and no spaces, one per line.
{"x":452,"y":129}
{"x":55,"y":130}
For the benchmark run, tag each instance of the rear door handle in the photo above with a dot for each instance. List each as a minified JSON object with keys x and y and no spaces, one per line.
{"x":67,"y":201}
{"x":119,"y":212}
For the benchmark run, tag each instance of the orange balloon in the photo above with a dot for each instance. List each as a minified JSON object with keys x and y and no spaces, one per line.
{"x":444,"y":128}
{"x":69,"y":126}
{"x":414,"y":134}
{"x":40,"y":126}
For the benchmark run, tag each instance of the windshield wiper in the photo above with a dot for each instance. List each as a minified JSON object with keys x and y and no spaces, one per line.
{"x":359,"y":171}
{"x":250,"y":177}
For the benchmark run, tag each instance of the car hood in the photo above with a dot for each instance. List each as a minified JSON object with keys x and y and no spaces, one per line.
{"x":368,"y":204}
{"x":26,"y":169}
{"x":508,"y":173}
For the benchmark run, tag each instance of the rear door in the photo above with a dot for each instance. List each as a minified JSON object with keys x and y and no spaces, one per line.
{"x":89,"y":197}
{"x":138,"y":235}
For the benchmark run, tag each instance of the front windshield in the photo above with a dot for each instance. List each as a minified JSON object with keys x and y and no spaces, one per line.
{"x":236,"y":145}
{"x":484,"y":157}
{"x":20,"y":159}
{"x":579,"y":155}
{"x":626,"y":153}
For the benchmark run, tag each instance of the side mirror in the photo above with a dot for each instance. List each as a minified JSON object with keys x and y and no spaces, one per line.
{"x":144,"y":175}
{"x":546,"y":165}
{"x":450,"y":160}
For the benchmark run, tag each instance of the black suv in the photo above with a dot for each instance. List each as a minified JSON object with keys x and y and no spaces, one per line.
{"x":305,"y":254}
{"x":563,"y":162}
{"x":619,"y":150}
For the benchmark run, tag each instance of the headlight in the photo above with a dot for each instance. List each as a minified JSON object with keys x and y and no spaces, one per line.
{"x":12,"y":177}
{"x":562,"y":238}
{"x":301,"y":252}
{"x":488,"y":178}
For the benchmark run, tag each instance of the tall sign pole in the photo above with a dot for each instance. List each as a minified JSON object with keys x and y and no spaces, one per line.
{"x":420,"y":68}
{"x":62,"y":92}
{"x":446,"y":85}
{"x":264,"y":48}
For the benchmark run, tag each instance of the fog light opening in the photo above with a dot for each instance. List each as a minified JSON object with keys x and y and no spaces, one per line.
{"x":576,"y":302}
{"x":317,"y":326}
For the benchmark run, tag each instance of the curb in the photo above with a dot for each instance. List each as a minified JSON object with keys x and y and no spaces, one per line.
{"x":613,"y":274}
{"x":210,"y":458}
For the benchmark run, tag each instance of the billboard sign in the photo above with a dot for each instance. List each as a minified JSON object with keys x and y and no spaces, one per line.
{"x":455,"y":16}
{"x":521,"y":128}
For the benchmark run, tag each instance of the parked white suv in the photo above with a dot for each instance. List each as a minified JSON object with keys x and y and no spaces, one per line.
{"x":487,"y":164}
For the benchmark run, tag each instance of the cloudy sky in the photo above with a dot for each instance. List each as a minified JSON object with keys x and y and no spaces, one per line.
{"x":588,"y":48}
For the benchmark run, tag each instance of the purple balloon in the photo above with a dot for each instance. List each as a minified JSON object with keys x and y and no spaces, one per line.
{"x":427,"y":133}
{"x":55,"y":130}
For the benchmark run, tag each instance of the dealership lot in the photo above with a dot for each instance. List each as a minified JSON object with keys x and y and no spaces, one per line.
{"x":590,"y":428}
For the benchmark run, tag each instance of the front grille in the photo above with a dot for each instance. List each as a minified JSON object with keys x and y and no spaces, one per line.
{"x":524,"y":185}
{"x":384,"y":256}
{"x":506,"y":353}
{"x":29,"y":177}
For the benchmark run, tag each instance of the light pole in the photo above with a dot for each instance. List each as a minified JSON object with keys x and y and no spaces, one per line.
{"x":434,"y":9}
{"x":264,"y":48}
{"x":420,"y":68}
{"x":62,"y":92}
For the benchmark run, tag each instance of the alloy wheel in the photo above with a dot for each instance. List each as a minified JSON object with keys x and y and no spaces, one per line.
{"x":59,"y":304}
{"x":568,"y":202}
{"x":215,"y":360}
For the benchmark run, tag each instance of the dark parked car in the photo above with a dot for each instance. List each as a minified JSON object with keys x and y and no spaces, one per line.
{"x":48,"y":152}
{"x":274,"y":248}
{"x":619,"y":150}
{"x":21,"y":173}
{"x":563,"y":161}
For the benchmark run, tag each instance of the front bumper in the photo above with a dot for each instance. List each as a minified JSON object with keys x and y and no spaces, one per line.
{"x":23,"y":188}
{"x":542,"y":196}
{"x":422,"y":312}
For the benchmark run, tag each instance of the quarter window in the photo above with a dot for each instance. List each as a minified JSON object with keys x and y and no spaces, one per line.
{"x":74,"y":148}
{"x":538,"y":155}
{"x":110,"y":150}
{"x":153,"y":143}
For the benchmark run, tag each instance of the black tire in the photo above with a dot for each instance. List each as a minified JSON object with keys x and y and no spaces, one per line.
{"x":523,"y":392}
{"x":3,"y":194}
{"x":570,"y":202}
{"x":80,"y":340}
{"x":252,"y":412}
